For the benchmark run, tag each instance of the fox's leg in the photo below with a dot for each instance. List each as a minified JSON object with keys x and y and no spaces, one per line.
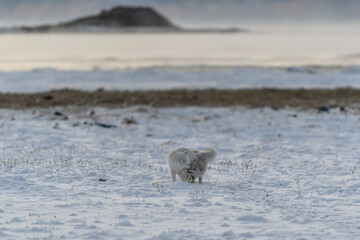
{"x":190,"y":178}
{"x":173,"y":175}
{"x":200,"y":179}
{"x":182,"y":176}
{"x":187,"y":177}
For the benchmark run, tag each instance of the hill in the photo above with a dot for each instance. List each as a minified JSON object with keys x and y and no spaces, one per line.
{"x":118,"y":18}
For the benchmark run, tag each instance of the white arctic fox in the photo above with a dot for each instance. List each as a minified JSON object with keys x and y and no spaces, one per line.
{"x":189,"y":164}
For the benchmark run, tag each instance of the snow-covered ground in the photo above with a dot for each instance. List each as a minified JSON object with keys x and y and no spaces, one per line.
{"x":177,"y":77}
{"x":278,"y":175}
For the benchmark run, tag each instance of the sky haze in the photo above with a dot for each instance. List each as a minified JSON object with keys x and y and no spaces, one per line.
{"x":187,"y":12}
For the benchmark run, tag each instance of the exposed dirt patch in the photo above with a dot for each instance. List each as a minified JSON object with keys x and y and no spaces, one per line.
{"x":273,"y":98}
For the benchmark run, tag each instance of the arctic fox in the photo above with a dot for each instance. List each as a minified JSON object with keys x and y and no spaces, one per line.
{"x":190,"y":164}
{"x":179,"y":161}
{"x":198,"y":167}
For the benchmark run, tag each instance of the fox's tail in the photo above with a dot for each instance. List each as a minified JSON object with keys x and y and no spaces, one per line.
{"x":208,"y":155}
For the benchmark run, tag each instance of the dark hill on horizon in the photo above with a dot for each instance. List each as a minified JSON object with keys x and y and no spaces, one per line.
{"x":120,"y":19}
{"x":115,"y":18}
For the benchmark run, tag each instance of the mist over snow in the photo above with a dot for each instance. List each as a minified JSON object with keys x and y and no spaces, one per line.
{"x":185,"y":12}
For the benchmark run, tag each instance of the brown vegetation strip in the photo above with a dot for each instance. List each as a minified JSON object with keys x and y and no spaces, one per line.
{"x":274,"y":98}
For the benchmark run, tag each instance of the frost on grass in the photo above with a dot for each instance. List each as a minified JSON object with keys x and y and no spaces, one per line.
{"x":276,"y":176}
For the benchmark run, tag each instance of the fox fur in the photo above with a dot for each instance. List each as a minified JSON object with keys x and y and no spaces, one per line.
{"x":190,"y":164}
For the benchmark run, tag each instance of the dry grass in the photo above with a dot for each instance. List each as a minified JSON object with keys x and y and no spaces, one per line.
{"x":274,"y":98}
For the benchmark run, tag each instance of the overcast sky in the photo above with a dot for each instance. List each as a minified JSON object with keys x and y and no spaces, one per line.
{"x":186,"y":12}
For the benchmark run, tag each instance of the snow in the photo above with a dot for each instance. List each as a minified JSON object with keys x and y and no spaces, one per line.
{"x":283,"y":174}
{"x":195,"y":77}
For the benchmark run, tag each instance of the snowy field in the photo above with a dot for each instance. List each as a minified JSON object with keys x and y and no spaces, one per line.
{"x":195,"y":77}
{"x":278,"y":175}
